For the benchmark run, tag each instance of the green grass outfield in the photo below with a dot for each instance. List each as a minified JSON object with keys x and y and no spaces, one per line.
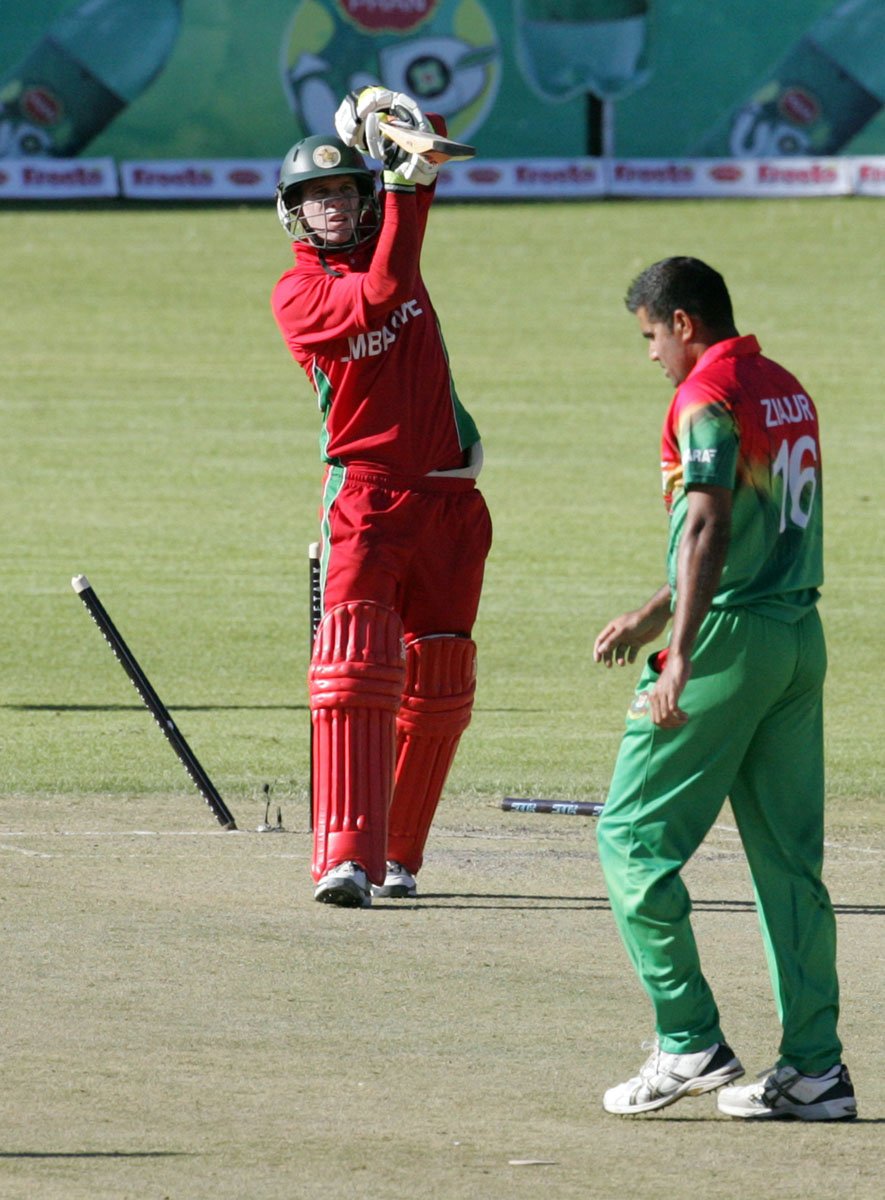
{"x":180,"y":1021}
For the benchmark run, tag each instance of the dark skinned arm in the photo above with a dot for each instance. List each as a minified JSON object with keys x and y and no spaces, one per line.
{"x":622,"y":638}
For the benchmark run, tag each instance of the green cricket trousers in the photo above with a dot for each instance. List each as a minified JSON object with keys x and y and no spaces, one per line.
{"x":755,"y":735}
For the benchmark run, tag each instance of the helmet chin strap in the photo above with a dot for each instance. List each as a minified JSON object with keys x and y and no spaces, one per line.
{"x":321,"y":255}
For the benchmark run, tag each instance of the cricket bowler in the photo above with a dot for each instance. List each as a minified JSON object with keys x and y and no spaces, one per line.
{"x":731,"y":707}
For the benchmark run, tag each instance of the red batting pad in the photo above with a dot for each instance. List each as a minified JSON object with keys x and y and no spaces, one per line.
{"x":436,"y":708}
{"x":356,"y":681}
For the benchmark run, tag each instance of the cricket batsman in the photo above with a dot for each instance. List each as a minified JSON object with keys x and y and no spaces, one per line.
{"x":405,"y":530}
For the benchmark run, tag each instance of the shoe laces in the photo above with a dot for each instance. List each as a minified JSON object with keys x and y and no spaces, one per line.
{"x":772,"y":1083}
{"x":349,"y":868}
{"x":763,"y":1077}
{"x":651,"y":1067}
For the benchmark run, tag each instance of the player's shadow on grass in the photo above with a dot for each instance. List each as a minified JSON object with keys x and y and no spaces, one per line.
{"x":140,"y":707}
{"x":95,"y":1154}
{"x":512,"y":900}
{"x":453,"y":901}
{"x":496,"y":900}
{"x":776,"y":1126}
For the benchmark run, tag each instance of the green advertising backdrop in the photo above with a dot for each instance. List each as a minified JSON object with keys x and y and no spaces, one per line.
{"x":519,"y":78}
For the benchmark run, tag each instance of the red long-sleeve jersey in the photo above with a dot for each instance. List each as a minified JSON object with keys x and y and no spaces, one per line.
{"x":361,"y":324}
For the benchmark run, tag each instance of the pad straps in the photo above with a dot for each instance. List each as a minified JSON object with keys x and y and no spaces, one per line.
{"x":356,"y":681}
{"x":436,"y":709}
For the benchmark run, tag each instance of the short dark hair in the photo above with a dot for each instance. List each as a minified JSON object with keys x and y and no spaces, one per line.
{"x":685,"y":283}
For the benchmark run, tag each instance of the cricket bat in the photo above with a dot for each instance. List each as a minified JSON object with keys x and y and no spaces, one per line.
{"x":430,"y":145}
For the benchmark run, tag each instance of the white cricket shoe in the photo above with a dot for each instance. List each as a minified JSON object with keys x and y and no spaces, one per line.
{"x":399,"y":884}
{"x":786,"y":1092}
{"x":346,"y":885}
{"x":665,"y":1078}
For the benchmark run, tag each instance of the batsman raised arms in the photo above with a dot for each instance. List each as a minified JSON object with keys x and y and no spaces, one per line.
{"x":404,"y":529}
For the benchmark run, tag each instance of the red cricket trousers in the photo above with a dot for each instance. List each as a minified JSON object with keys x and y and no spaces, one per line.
{"x":415,"y":544}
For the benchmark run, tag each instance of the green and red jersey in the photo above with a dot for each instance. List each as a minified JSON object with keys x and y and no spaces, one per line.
{"x":361,"y":324}
{"x":741,"y":421}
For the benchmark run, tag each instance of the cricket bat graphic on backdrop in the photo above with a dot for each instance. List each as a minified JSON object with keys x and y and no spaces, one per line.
{"x":432,"y":146}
